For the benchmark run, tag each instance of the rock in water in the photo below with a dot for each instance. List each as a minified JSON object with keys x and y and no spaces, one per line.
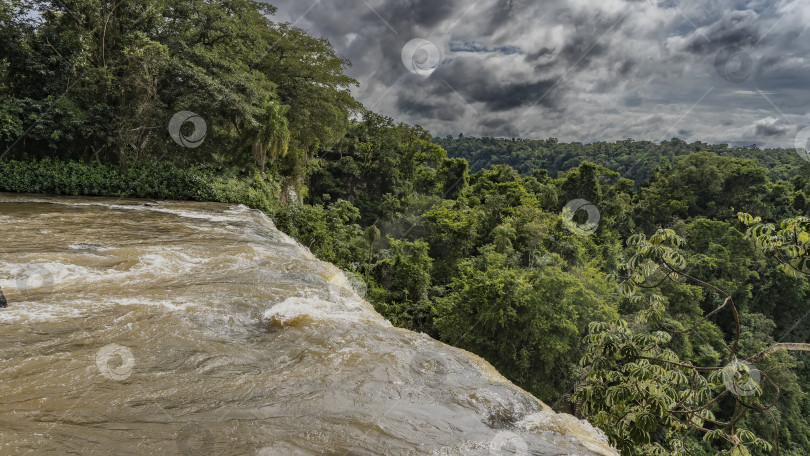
{"x":3,"y":302}
{"x":201,"y":329}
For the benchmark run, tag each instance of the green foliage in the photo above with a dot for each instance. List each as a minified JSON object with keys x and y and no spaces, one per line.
{"x":100,"y":80}
{"x":634,"y":160}
{"x":789,"y":244}
{"x":528,"y":323}
{"x":472,"y":246}
{"x":404,"y":272}
{"x":635,"y":372}
{"x":256,"y":192}
{"x":330,"y":232}
{"x":505,"y":271}
{"x":377,"y":165}
{"x":703,"y":184}
{"x":141,"y":180}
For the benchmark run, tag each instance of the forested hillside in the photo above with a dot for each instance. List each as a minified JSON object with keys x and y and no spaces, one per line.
{"x":493,"y":262}
{"x":635,"y":160}
{"x":101,"y":81}
{"x":633,"y":305}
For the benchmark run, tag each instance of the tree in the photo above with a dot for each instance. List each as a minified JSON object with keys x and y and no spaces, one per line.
{"x":702,"y":184}
{"x":101,"y":80}
{"x":527,"y":323}
{"x":637,"y":386}
{"x":405,"y":272}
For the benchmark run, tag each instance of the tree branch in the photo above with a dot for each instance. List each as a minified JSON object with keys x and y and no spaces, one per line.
{"x":792,"y":346}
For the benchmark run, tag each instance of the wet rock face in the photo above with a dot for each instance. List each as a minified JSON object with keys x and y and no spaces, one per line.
{"x":195,"y":328}
{"x":3,"y":301}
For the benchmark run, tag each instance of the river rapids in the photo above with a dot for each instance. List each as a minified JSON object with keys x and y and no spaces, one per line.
{"x":141,"y":327}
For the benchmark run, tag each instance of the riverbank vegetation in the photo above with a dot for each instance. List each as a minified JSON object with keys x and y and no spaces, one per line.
{"x":474,"y":247}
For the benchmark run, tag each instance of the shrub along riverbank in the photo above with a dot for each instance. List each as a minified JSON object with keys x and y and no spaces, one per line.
{"x":138,"y":180}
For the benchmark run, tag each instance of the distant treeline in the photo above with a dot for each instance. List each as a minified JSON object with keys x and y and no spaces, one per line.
{"x":635,"y":160}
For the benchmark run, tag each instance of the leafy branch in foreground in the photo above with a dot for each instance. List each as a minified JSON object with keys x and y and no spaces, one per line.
{"x":638,"y":389}
{"x":789,"y":244}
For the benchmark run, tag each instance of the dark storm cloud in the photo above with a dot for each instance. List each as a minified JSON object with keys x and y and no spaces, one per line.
{"x":411,"y":13}
{"x":770,"y":127}
{"x":477,"y":82}
{"x":542,"y":53}
{"x":496,"y":126}
{"x":515,"y":95}
{"x":578,"y":69}
{"x":426,"y":110}
{"x":738,"y":28}
{"x":460,"y":46}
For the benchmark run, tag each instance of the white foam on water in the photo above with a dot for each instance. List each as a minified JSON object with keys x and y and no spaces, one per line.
{"x":174,"y":306}
{"x":155,"y":261}
{"x":26,"y":277}
{"x":34,"y":275}
{"x":226,"y":216}
{"x":169,"y":261}
{"x":31,"y":312}
{"x":300,"y":310}
{"x":573,"y":429}
{"x":232,"y":214}
{"x":241,"y":209}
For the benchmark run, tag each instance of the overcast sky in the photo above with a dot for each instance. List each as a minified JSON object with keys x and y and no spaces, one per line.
{"x":726,"y":71}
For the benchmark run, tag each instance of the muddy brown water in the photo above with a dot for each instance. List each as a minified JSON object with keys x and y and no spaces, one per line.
{"x":144,"y":327}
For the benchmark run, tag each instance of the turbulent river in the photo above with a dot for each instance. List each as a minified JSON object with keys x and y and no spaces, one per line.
{"x":143,"y":327}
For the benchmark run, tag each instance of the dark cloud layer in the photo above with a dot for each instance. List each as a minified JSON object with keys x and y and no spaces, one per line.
{"x":734,"y":72}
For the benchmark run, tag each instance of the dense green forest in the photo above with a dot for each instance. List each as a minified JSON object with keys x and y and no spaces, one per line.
{"x":626,"y":282}
{"x":635,"y":160}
